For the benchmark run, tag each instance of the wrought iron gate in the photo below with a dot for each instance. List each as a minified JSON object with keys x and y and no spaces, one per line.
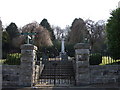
{"x":57,"y":72}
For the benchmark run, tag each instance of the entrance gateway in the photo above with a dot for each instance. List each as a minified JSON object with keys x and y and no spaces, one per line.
{"x":57,"y":71}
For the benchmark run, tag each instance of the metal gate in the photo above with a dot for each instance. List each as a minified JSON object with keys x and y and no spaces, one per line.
{"x":57,"y":72}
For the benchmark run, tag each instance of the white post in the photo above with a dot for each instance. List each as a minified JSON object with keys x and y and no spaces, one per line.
{"x":62,"y":46}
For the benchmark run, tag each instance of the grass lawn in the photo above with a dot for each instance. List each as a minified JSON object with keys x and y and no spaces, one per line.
{"x":108,"y":61}
{"x":2,"y":61}
{"x":105,"y":61}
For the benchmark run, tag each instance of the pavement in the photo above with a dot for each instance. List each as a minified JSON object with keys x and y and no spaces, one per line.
{"x":110,"y":86}
{"x":61,"y":88}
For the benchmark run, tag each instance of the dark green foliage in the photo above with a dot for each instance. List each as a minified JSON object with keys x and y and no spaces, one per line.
{"x":70,"y":50}
{"x":13,"y":59}
{"x":5,"y":43}
{"x":55,"y":50}
{"x":57,"y":45}
{"x":113,"y":34}
{"x":46,"y":25}
{"x":95,"y":59}
{"x":5,"y":39}
{"x":12,"y":30}
{"x":50,"y":51}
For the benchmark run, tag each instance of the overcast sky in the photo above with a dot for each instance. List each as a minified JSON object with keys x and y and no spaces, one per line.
{"x":57,"y":12}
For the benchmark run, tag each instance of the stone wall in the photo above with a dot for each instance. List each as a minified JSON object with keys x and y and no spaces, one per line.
{"x":25,"y":74}
{"x":104,"y":74}
{"x":10,"y":74}
{"x":93,"y":74}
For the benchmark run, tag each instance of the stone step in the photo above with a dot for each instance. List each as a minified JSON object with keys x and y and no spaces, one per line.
{"x":58,"y":66}
{"x":58,"y":72}
{"x":52,"y":73}
{"x":57,"y":77}
{"x":63,"y":70}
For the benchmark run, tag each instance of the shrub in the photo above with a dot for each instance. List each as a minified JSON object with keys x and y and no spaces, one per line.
{"x":13,"y":59}
{"x":95,"y":59}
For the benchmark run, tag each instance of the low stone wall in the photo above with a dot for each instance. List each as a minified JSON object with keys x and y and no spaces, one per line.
{"x":27,"y":73}
{"x":93,"y":74}
{"x":10,"y":74}
{"x":104,"y":74}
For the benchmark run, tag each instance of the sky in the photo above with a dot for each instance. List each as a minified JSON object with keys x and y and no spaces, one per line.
{"x":57,"y":12}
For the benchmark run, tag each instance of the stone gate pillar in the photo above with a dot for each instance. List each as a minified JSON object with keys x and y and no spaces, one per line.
{"x":82,"y":64}
{"x":0,"y":54}
{"x":1,"y":39}
{"x":27,"y":71}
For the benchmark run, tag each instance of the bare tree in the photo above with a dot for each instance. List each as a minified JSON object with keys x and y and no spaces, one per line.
{"x":41,"y":39}
{"x":78,"y":31}
{"x":96,"y":33}
{"x":58,"y":32}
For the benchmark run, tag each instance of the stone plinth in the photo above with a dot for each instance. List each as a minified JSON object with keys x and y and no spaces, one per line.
{"x":82,"y":64}
{"x":28,"y":56}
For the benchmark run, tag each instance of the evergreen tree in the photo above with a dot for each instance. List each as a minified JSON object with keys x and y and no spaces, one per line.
{"x":113,"y":34}
{"x":46,"y":25}
{"x":5,"y":43}
{"x":5,"y":38}
{"x":12,"y":30}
